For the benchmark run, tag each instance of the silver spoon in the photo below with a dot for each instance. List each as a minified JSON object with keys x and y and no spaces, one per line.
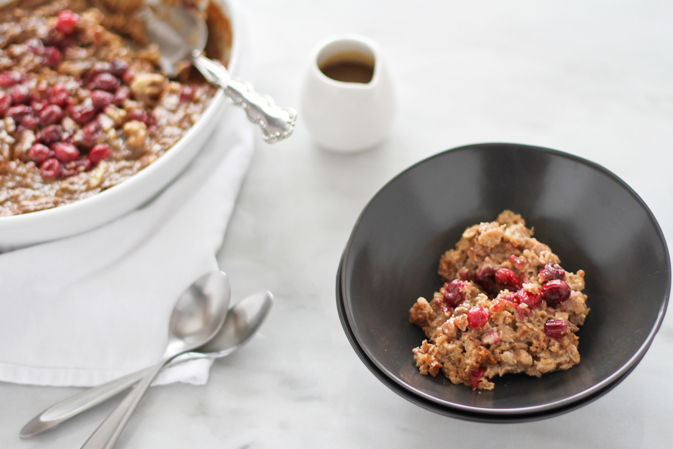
{"x":241,"y":324}
{"x":181,"y":33}
{"x":197,"y":317}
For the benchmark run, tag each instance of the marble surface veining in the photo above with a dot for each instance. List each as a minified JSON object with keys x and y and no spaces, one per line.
{"x":591,"y":78}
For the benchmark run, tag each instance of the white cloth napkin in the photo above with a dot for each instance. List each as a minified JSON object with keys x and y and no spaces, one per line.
{"x":87,"y":309}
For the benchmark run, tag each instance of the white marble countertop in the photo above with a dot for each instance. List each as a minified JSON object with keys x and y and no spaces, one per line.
{"x":591,"y":78}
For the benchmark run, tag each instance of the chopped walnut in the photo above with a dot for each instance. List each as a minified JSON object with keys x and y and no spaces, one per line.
{"x":147,"y":85}
{"x":116,"y":114}
{"x":136,"y":133}
{"x":97,"y":175}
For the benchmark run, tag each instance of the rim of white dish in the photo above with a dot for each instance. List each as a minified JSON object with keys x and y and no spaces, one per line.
{"x":13,"y":221}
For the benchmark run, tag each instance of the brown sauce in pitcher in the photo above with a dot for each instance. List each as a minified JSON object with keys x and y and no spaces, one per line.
{"x":349,"y":67}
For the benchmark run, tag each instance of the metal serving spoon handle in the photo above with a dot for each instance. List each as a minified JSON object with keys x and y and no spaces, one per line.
{"x":276,"y":123}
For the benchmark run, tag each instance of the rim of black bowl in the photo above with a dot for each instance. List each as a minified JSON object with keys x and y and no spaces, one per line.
{"x":451,"y":412}
{"x":595,"y":390}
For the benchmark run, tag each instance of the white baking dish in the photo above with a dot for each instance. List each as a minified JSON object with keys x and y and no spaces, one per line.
{"x":89,"y":213}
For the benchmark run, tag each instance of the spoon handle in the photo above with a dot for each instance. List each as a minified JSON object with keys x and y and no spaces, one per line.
{"x":87,"y":399}
{"x":81,"y":402}
{"x":107,"y":434}
{"x":277,"y":123}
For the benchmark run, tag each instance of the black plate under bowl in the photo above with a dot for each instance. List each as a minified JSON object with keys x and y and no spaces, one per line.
{"x":586,"y":214}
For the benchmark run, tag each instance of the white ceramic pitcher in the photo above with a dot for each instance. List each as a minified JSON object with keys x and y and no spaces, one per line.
{"x":348,"y":116}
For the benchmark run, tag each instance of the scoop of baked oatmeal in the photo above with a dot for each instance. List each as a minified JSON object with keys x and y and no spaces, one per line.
{"x":507,"y":306}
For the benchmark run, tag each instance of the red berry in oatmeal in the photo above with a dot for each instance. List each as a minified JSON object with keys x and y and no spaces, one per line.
{"x":477,"y":316}
{"x":513,"y":309}
{"x":555,"y":292}
{"x":64,"y":152}
{"x":66,"y":22}
{"x":556,"y":328}
{"x":552,"y":271}
{"x":50,"y":169}
{"x":506,"y":278}
{"x":454,"y":292}
{"x":99,"y":153}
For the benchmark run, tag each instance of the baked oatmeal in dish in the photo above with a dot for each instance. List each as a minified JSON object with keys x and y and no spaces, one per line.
{"x":507,"y":306}
{"x":83,"y":103}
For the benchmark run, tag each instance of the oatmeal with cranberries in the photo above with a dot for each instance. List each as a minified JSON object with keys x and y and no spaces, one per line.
{"x":83,"y":103}
{"x":507,"y":306}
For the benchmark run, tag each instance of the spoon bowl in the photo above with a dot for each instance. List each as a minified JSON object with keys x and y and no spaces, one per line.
{"x":197,"y":317}
{"x":198,"y":313}
{"x":177,"y":31}
{"x":181,"y":34}
{"x":241,"y":324}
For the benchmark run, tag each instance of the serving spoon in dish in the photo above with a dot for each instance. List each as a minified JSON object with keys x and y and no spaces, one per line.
{"x":181,"y":34}
{"x":197,"y":317}
{"x":242,"y":322}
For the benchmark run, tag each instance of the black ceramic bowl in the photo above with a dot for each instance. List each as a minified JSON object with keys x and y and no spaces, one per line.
{"x":586,"y":214}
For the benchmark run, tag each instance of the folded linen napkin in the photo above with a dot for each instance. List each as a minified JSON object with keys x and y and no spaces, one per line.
{"x":87,"y":309}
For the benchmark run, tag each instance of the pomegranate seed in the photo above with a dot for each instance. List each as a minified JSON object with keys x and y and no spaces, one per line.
{"x":99,"y":153}
{"x":5,"y":103}
{"x":475,"y":376}
{"x":118,"y":67}
{"x":186,"y":94}
{"x":66,"y":22}
{"x":50,"y":169}
{"x":51,"y":134}
{"x":18,"y":112}
{"x":552,"y":272}
{"x":90,"y":134}
{"x":59,"y":95}
{"x":518,"y":262}
{"x":20,"y":94}
{"x":555,"y":328}
{"x":104,"y":81}
{"x":490,"y":337}
{"x":506,"y":277}
{"x":51,"y":115}
{"x":39,"y":153}
{"x":82,"y":113}
{"x":477,"y":316}
{"x":122,"y":95}
{"x":454,"y":293}
{"x":65,"y":152}
{"x":555,"y":292}
{"x":8,"y":79}
{"x":100,"y":98}
{"x":532,"y":300}
{"x":29,"y":122}
{"x":52,"y":56}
